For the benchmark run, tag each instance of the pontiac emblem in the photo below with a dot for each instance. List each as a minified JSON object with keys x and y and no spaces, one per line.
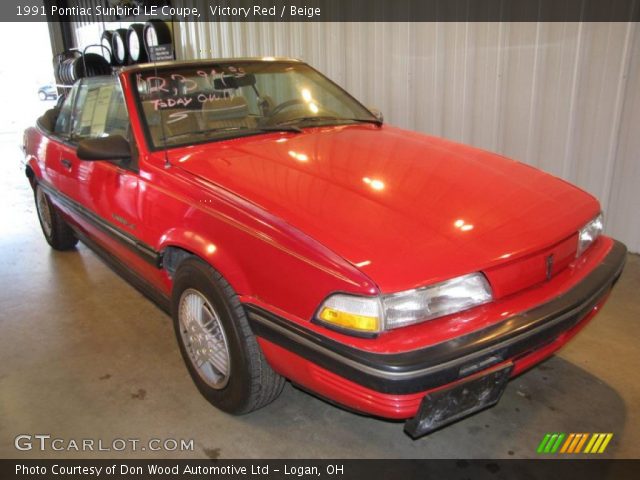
{"x":549,"y":262}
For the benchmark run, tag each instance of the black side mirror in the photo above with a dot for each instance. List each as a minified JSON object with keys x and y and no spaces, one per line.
{"x":114,"y":147}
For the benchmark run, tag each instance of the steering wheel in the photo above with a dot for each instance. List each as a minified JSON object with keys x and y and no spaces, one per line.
{"x":284,"y":105}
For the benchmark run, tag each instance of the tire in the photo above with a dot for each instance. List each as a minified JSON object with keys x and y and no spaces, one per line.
{"x":120,"y":47}
{"x":106,"y":42}
{"x":156,"y":32}
{"x":72,"y":68}
{"x":248,"y":382}
{"x":56,"y":231}
{"x":96,"y":65}
{"x":42,"y":96}
{"x":135,"y":42}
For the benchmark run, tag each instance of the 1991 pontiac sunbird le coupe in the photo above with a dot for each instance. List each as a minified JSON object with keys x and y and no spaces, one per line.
{"x":293,"y":235}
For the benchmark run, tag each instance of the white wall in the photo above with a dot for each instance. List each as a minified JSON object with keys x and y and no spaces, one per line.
{"x":22,"y":72}
{"x":564,"y":97}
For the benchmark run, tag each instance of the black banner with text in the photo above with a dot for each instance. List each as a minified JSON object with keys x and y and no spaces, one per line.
{"x":321,"y":10}
{"x":583,"y":469}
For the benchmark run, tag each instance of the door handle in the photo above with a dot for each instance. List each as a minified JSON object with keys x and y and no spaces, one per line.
{"x":66,"y":163}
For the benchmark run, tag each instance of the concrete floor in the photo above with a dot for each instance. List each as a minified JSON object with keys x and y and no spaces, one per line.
{"x":84,"y":355}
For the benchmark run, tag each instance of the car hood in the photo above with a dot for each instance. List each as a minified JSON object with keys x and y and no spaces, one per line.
{"x":406,"y":208}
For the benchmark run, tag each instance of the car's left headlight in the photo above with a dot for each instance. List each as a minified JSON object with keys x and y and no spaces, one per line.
{"x":372,"y":315}
{"x":589,"y":233}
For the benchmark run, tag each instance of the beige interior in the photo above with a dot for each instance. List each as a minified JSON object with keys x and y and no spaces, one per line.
{"x":227,"y":112}
{"x":175,"y":121}
{"x":218,"y":113}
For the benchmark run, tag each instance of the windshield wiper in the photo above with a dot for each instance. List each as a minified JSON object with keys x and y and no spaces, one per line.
{"x":278,"y":128}
{"x":304,"y":120}
{"x":206,"y":131}
{"x":239,"y":129}
{"x":374,"y":121}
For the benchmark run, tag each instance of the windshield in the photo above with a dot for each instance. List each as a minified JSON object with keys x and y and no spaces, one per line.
{"x":183,"y":105}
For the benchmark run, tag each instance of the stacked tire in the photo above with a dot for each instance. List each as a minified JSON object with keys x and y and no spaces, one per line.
{"x":134,"y":45}
{"x":156,"y":32}
{"x":72,"y":66}
{"x":120,"y":47}
{"x":117,"y":47}
{"x":106,"y":42}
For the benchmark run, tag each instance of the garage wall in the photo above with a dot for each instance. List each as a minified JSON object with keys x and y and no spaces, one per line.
{"x":564,"y":97}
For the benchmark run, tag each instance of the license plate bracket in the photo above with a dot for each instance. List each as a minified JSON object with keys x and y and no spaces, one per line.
{"x":448,"y":405}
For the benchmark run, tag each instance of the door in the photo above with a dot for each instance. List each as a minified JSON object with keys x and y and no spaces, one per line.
{"x":108,"y":188}
{"x":106,"y":193}
{"x":58,"y":167}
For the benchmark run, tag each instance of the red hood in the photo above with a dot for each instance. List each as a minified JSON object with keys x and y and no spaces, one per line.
{"x":442,"y":209}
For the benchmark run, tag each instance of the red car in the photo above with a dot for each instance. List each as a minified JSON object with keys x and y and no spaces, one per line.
{"x":291,"y":234}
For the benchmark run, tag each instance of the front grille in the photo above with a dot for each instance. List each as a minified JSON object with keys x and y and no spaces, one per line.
{"x":533,"y":269}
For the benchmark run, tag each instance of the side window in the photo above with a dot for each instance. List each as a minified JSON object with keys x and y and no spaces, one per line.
{"x":99,"y":110}
{"x":63,"y":122}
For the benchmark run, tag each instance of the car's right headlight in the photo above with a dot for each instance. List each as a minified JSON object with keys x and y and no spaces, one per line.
{"x":372,"y":315}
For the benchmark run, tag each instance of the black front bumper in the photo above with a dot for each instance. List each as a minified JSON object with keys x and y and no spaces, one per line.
{"x":446,"y":362}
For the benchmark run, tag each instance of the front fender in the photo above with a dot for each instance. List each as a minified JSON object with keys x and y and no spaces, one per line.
{"x":212,"y":251}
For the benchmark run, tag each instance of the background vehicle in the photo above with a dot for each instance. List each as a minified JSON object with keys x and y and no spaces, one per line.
{"x":48,"y":92}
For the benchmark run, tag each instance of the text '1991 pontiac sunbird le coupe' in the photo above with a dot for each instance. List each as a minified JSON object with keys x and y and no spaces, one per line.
{"x":293,"y":235}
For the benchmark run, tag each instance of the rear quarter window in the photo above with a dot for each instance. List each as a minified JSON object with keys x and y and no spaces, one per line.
{"x":63,"y":122}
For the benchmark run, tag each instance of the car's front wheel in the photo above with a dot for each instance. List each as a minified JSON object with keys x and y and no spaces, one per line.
{"x":56,"y":231}
{"x":216,"y":342}
{"x":42,"y":96}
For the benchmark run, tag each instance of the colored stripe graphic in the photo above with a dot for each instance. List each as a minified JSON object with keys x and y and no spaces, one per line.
{"x":577,"y":439}
{"x":556,"y":445}
{"x":543,"y":443}
{"x":573,"y":443}
{"x":583,"y":439}
{"x":551,"y":442}
{"x":598,"y":442}
{"x":567,"y":443}
{"x":547,"y":448}
{"x":596,"y":445}
{"x":606,"y":442}
{"x":592,"y":440}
